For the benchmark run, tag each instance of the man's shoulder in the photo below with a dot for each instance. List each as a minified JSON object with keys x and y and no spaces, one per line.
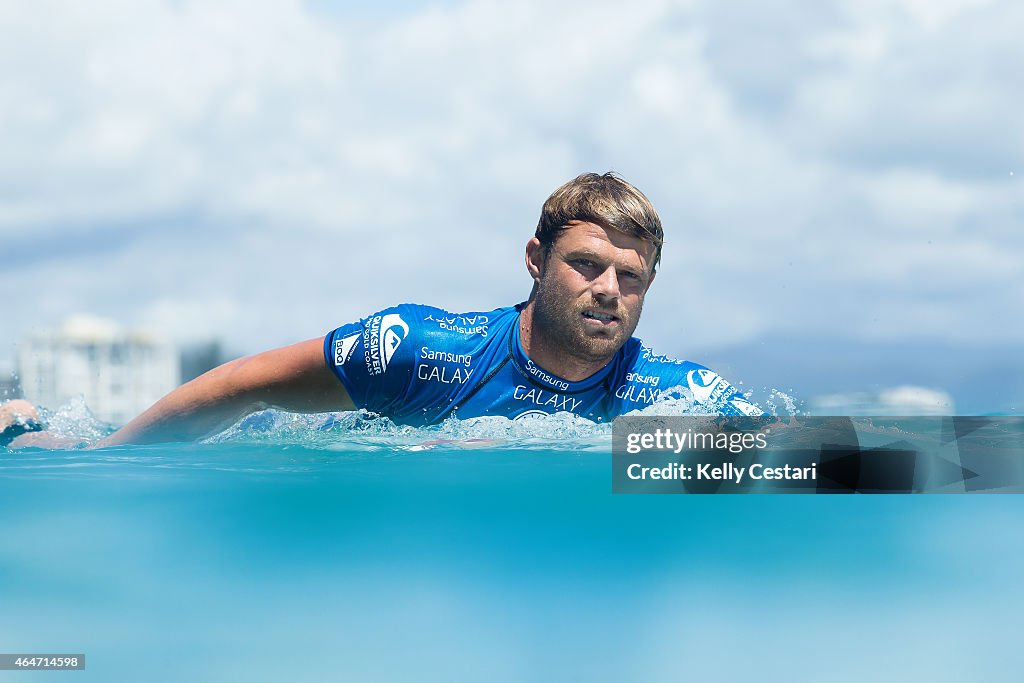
{"x":466,"y":322}
{"x":642,"y":365}
{"x":407,"y":330}
{"x":637,"y":354}
{"x":439,"y":324}
{"x":405,"y":361}
{"x":412,"y":316}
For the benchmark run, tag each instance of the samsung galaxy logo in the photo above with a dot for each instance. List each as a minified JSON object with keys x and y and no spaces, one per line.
{"x":427,"y":353}
{"x":545,"y":377}
{"x":556,"y":402}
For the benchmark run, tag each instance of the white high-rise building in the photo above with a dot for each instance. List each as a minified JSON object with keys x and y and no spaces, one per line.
{"x":119,"y":372}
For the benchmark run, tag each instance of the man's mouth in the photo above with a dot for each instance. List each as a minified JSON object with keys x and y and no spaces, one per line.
{"x":600,"y":316}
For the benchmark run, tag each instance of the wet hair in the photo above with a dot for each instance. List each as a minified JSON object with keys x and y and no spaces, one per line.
{"x":606,"y":200}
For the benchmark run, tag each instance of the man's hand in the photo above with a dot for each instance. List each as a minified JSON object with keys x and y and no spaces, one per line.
{"x":15,"y":412}
{"x":19,"y":426}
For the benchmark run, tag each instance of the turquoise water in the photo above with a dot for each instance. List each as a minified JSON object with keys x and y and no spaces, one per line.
{"x":296,"y":549}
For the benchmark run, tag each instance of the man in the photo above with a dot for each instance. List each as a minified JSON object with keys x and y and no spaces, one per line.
{"x":568,"y":348}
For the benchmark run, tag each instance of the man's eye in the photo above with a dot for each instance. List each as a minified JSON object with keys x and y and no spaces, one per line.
{"x":629,"y":275}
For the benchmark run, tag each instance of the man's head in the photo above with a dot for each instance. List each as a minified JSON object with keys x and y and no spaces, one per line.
{"x":605,"y":200}
{"x":592,"y":260}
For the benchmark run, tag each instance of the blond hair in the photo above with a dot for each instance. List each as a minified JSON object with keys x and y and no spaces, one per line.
{"x":606,"y":200}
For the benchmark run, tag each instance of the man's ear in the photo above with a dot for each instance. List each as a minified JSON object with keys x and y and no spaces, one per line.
{"x":535,"y":257}
{"x":650,"y":280}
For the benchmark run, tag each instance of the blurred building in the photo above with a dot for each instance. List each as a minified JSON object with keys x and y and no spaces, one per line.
{"x":202,"y":356}
{"x":119,"y":372}
{"x":10,"y":387}
{"x":895,"y":401}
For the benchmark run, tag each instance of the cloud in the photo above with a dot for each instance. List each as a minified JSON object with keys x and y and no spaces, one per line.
{"x":919,"y":85}
{"x":295,"y":171}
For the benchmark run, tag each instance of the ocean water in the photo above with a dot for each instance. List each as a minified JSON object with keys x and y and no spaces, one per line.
{"x":341,"y":548}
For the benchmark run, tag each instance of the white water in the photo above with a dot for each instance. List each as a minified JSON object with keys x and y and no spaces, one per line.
{"x":359,"y":430}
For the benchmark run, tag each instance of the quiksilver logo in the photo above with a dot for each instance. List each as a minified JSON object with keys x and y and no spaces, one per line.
{"x":393,"y":331}
{"x":702,"y":384}
{"x":745,"y":407}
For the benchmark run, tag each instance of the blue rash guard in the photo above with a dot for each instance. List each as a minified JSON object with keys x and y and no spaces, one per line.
{"x":419,"y":365}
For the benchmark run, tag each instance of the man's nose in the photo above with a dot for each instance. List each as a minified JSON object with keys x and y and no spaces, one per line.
{"x":606,"y":285}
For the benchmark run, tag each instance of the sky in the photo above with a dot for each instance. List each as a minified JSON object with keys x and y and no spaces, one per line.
{"x":262,"y":172}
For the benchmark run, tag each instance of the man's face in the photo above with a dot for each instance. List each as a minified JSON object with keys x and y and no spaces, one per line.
{"x":590,"y":289}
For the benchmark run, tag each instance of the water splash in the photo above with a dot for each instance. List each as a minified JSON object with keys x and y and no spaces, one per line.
{"x":777,"y":402}
{"x":360,"y":430}
{"x":363,"y":431}
{"x":75,"y":422}
{"x":367,"y":432}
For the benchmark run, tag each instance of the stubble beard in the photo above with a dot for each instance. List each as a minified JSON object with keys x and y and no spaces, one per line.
{"x":559,"y":317}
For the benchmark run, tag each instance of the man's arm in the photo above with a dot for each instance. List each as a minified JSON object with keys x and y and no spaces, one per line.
{"x":294,"y":378}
